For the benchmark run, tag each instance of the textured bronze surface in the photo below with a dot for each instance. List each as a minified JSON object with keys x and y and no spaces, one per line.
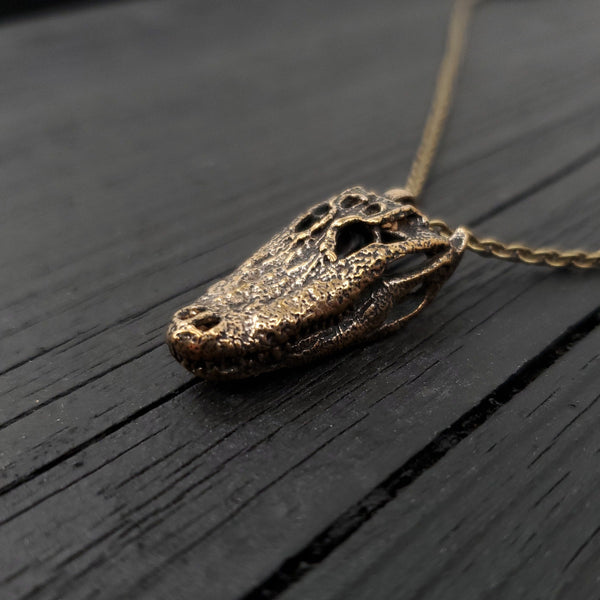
{"x":349,"y":269}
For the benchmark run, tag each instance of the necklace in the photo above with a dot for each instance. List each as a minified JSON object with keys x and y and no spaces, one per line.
{"x":348,"y":270}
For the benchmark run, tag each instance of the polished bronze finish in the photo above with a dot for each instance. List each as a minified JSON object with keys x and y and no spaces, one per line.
{"x":350,"y":269}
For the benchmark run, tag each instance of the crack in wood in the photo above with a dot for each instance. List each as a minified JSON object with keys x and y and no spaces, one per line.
{"x":577,"y":163}
{"x":77,"y":480}
{"x":324,"y":543}
{"x":173,"y":558}
{"x":99,"y":436}
{"x":76,"y":387}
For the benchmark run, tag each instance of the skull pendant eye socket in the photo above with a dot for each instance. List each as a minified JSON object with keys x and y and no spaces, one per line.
{"x":352,"y":237}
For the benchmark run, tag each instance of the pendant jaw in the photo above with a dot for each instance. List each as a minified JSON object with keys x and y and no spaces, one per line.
{"x":348,"y":270}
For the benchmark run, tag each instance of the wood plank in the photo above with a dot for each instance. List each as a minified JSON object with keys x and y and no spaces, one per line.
{"x":156,"y":473}
{"x":511,"y":512}
{"x":238,"y":447}
{"x":55,"y":377}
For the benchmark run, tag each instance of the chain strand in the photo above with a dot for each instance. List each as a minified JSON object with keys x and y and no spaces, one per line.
{"x":551,"y":257}
{"x":430,"y":141}
{"x":441,"y":102}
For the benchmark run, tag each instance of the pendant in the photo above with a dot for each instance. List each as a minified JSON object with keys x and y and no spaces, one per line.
{"x":347,"y":271}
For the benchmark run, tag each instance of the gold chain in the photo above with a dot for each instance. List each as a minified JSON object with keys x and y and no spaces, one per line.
{"x":550,"y":257}
{"x":430,"y":141}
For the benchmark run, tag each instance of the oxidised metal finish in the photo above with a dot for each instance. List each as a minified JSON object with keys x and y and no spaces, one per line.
{"x":350,"y":269}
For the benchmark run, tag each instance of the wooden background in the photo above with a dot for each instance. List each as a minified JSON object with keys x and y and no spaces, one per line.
{"x":146,"y":149}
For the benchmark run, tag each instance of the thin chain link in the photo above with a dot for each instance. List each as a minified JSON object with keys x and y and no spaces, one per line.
{"x":462,"y":13}
{"x":550,"y":257}
{"x":442,"y":96}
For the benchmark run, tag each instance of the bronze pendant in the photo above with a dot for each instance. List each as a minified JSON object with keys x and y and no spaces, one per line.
{"x":350,"y":269}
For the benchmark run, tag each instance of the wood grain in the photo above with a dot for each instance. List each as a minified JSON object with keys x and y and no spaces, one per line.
{"x":511,"y":512}
{"x":148,"y":148}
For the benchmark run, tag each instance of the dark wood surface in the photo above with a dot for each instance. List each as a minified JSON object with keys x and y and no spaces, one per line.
{"x":147,"y":148}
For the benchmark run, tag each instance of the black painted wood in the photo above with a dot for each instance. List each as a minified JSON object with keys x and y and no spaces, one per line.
{"x":510,"y":513}
{"x":149,"y":147}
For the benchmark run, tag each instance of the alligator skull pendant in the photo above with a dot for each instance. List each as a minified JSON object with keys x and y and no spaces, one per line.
{"x":351,"y":269}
